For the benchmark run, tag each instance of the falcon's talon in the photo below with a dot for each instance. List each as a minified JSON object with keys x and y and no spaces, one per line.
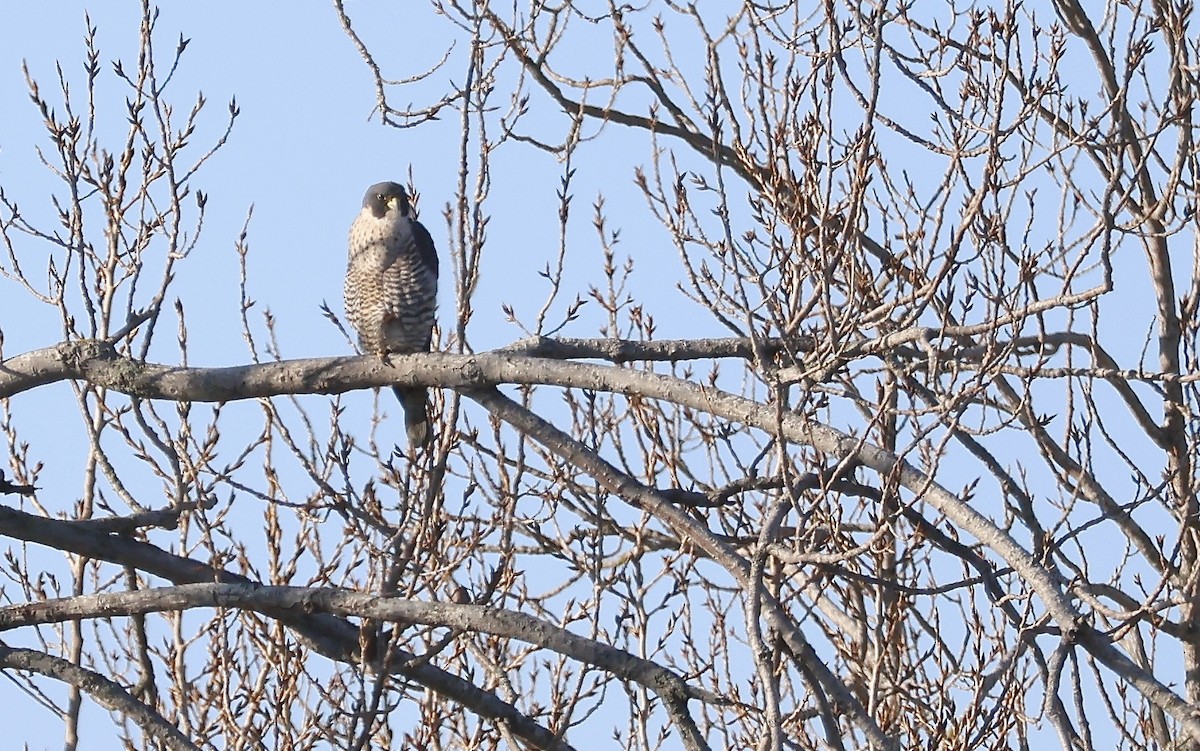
{"x":391,"y":290}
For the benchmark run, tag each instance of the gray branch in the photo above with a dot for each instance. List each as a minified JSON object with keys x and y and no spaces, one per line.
{"x":333,"y":637}
{"x":106,"y":693}
{"x":686,"y":527}
{"x":99,"y":363}
{"x":270,"y":600}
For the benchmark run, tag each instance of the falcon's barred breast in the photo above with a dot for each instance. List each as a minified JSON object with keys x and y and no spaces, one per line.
{"x":391,"y":290}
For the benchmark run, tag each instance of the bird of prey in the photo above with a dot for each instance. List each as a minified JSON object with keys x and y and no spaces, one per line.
{"x":391,"y":290}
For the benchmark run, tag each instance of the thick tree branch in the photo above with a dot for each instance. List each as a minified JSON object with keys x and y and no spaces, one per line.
{"x":106,"y":693}
{"x":99,"y":363}
{"x":101,"y":366}
{"x":686,"y":527}
{"x":270,"y":600}
{"x":333,"y":637}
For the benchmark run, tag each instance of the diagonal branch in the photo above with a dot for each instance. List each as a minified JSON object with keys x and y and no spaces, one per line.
{"x":270,"y":600}
{"x":686,"y":527}
{"x":106,"y":693}
{"x":99,"y":363}
{"x":333,"y":637}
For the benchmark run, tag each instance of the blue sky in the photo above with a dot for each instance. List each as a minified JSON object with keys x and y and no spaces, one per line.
{"x":302,"y":152}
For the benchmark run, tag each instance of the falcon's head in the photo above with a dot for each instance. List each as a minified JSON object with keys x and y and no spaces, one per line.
{"x":384,"y":197}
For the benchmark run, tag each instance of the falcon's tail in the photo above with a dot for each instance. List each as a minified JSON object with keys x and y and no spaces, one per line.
{"x":416,"y":415}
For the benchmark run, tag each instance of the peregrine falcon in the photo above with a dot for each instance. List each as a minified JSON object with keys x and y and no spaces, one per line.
{"x":391,"y":290}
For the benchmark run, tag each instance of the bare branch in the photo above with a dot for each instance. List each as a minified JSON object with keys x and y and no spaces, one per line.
{"x":104,"y":692}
